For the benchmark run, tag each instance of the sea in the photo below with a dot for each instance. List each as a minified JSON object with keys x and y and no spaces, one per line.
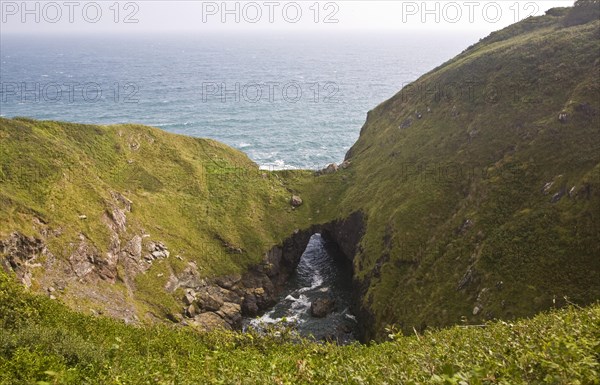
{"x":288,"y":100}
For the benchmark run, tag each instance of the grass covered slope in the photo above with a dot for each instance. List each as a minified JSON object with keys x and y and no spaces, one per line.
{"x":480,"y":182}
{"x":92,"y":192}
{"x":43,"y":342}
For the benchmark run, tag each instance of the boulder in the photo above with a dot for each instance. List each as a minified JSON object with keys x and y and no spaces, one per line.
{"x":191,"y":311}
{"x":563,"y":117}
{"x":189,"y":298}
{"x":321,"y":307}
{"x":230,"y":296}
{"x":330,"y":169}
{"x":209,"y":321}
{"x":209,"y":301}
{"x":231,"y":312}
{"x":228,"y":281}
{"x":296,"y":201}
{"x":249,"y":305}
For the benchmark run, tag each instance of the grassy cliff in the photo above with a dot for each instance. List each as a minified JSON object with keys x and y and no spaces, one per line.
{"x":480,"y":182}
{"x":43,"y":342}
{"x":93,"y":193}
{"x":479,"y":186}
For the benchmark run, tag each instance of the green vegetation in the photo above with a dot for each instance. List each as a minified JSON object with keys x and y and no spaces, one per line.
{"x":43,"y":342}
{"x":480,"y":182}
{"x":200,"y":198}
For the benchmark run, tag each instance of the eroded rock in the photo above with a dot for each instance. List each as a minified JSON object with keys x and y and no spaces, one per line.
{"x":321,"y":307}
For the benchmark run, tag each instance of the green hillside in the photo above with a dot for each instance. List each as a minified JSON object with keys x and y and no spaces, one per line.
{"x":480,"y":201}
{"x":42,"y":342}
{"x":478,"y":189}
{"x":92,"y":193}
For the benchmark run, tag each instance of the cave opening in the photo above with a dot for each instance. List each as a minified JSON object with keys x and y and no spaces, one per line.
{"x":316,"y":299}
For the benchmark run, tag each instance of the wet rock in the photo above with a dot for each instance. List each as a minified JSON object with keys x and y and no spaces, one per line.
{"x":321,"y":307}
{"x":249,"y":305}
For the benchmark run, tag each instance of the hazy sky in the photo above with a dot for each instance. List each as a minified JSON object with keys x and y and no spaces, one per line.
{"x":197,"y":17}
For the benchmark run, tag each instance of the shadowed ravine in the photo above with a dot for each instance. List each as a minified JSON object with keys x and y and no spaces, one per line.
{"x":323,"y":273}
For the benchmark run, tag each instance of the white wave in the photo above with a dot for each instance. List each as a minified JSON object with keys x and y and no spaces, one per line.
{"x":317,"y":280}
{"x":302,"y":303}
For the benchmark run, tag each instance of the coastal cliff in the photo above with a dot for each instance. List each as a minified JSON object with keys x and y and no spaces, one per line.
{"x":473,"y":194}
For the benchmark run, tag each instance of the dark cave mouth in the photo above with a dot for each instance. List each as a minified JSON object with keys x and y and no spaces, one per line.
{"x":317,"y":298}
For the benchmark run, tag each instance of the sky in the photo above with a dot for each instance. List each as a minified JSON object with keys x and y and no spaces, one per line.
{"x":199,"y":17}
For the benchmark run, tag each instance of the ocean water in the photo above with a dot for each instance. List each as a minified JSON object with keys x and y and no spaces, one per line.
{"x":288,"y":101}
{"x":321,"y":273}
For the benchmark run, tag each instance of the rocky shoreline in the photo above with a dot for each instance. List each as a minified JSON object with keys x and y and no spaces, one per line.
{"x":223,"y":301}
{"x":207,"y":303}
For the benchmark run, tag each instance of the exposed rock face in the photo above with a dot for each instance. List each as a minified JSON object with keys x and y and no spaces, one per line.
{"x":346,"y":233}
{"x":206,"y":304}
{"x":233,"y":296}
{"x":210,"y":321}
{"x":21,"y":253}
{"x":332,"y":168}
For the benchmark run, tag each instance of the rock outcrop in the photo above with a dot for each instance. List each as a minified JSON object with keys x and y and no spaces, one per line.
{"x":20,"y":255}
{"x":321,"y":307}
